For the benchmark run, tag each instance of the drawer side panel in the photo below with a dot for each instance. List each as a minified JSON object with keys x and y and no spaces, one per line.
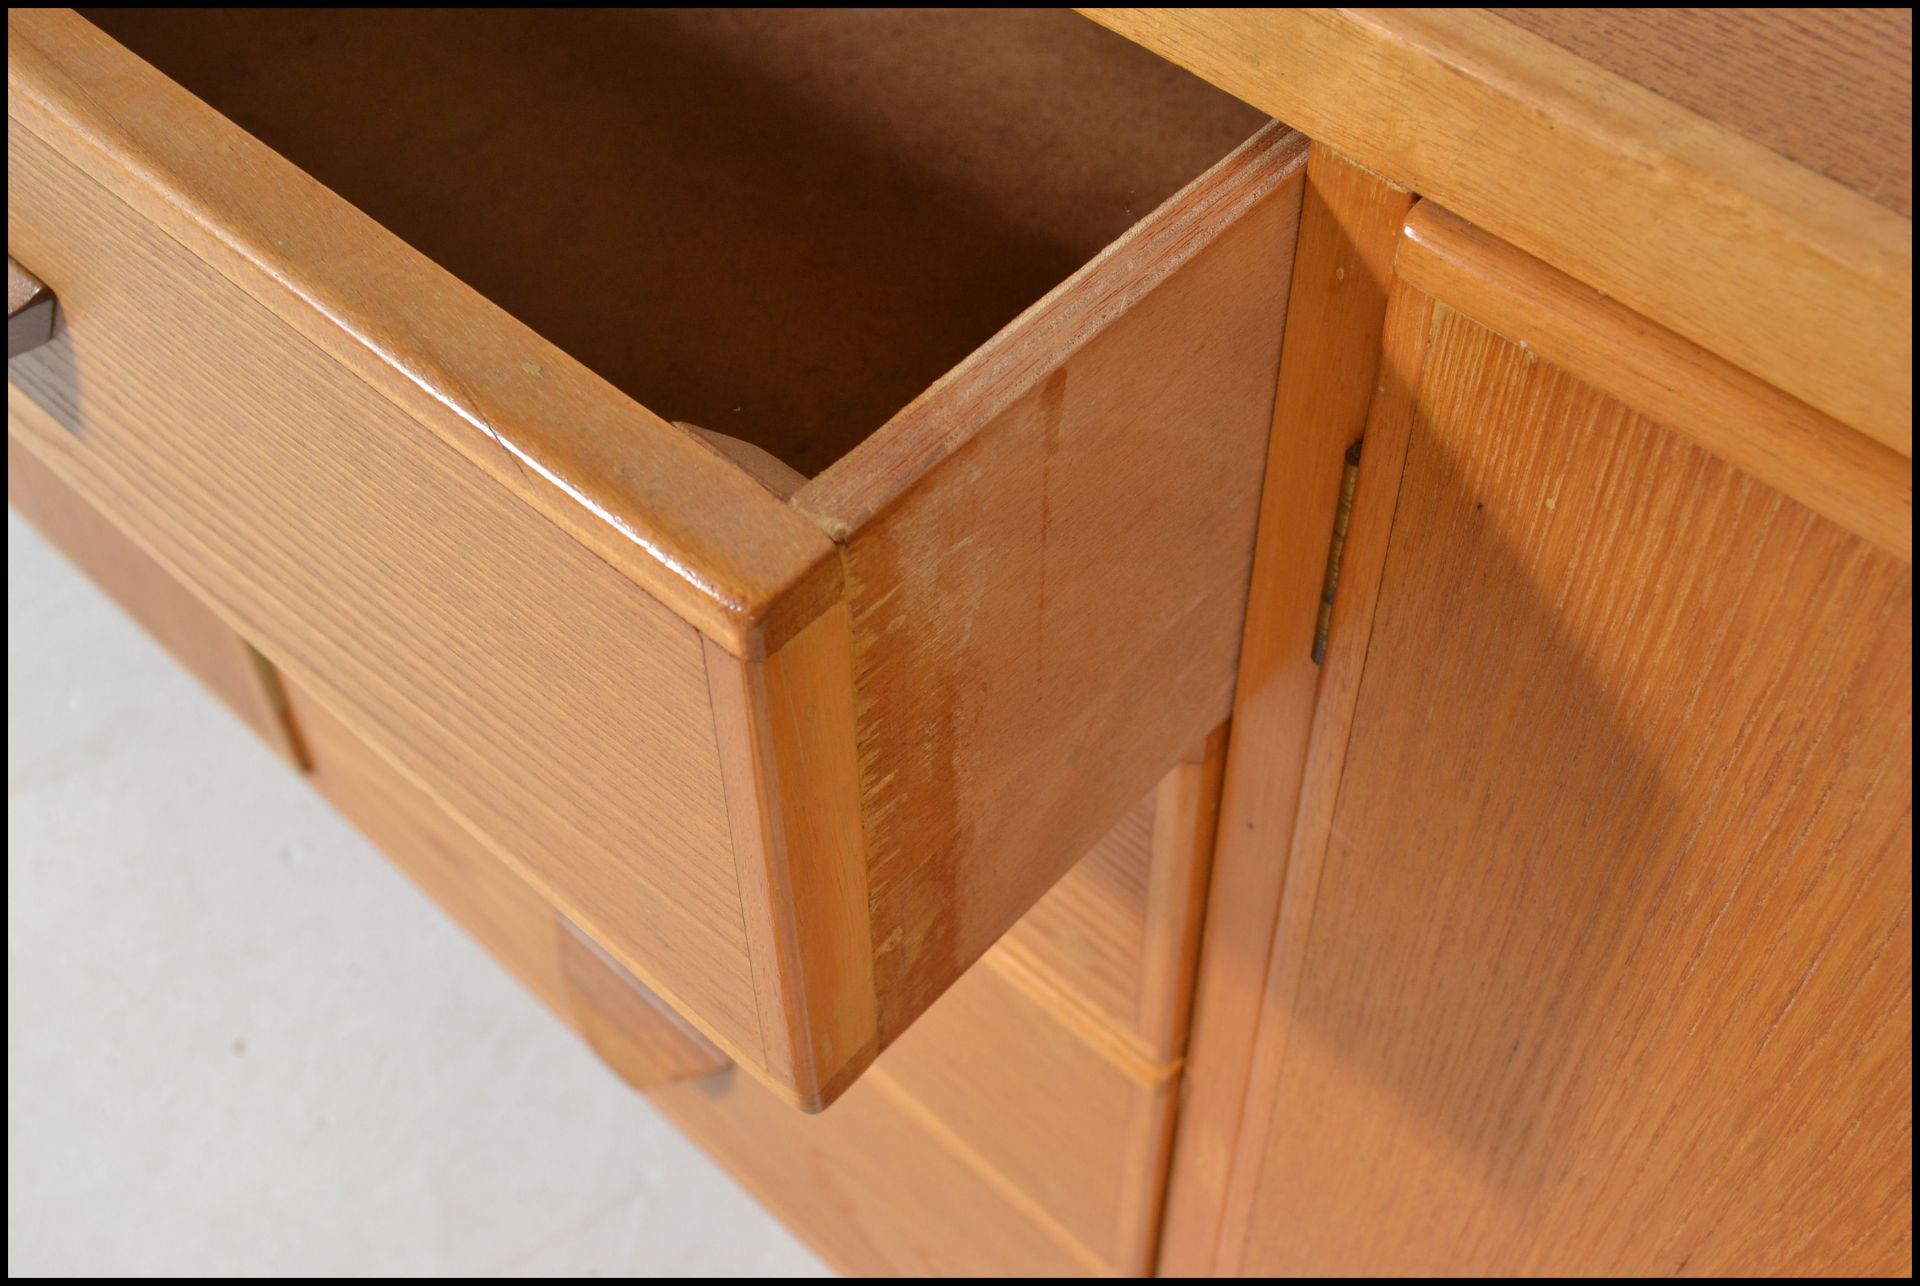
{"x":1048,"y":558}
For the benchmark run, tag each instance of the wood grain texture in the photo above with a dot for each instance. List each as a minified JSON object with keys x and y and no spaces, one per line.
{"x":1349,"y":225}
{"x":999,"y":1133}
{"x":1051,"y":1104}
{"x":437,"y":851}
{"x":640,"y":1038}
{"x":191,"y":632}
{"x":1011,"y":1084}
{"x":1610,"y":965}
{"x":30,"y":307}
{"x":1781,"y":271}
{"x":1390,"y":419}
{"x":781,"y":224}
{"x":1865,"y":487}
{"x":1830,"y":89}
{"x":875,"y":1186}
{"x":1031,"y":580}
{"x":786,"y":730}
{"x":532,"y":687}
{"x":662,"y":509}
{"x":1118,"y":936}
{"x":1053,"y":579}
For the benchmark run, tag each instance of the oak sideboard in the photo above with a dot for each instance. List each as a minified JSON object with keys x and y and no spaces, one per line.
{"x":1143,"y":640}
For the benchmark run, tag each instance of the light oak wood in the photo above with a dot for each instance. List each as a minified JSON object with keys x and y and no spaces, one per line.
{"x":1120,"y":933}
{"x":641,"y":1040}
{"x":30,"y":307}
{"x":1390,"y":420}
{"x":1186,"y":817}
{"x":1088,"y":935}
{"x":895,"y":705}
{"x":1608,"y":964}
{"x":437,"y":851}
{"x":1037,"y":1132}
{"x":1053,"y":1105}
{"x":1040,"y":1097}
{"x":875,"y":1185}
{"x":1782,"y":271}
{"x":1030,"y":582}
{"x":1865,"y":487}
{"x":303,"y":415}
{"x":786,"y":729}
{"x":1350,"y":225}
{"x":659,"y":507}
{"x":1831,"y":89}
{"x":191,"y":632}
{"x":538,"y":693}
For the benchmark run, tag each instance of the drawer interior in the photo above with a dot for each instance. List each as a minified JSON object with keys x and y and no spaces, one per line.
{"x":782,"y":225}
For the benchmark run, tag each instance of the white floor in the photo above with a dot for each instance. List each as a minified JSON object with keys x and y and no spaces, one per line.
{"x":238,"y":1042}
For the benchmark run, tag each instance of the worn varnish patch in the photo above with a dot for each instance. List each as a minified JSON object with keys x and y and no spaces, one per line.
{"x":1047,"y":599}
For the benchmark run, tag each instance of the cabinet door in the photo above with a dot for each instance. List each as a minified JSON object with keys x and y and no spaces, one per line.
{"x":1604,"y":948}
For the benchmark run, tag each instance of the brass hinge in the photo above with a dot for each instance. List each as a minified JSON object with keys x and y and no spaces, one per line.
{"x":1330,"y":586}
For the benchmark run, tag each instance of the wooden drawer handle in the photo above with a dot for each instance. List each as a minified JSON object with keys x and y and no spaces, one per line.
{"x":631,"y":1029}
{"x":29,"y":310}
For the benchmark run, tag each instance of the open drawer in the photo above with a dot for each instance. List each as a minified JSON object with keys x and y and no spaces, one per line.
{"x":376,"y":327}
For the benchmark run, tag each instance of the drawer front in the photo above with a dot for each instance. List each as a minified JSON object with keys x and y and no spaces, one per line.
{"x":1013,"y":1127}
{"x":1048,"y":1103}
{"x":1032,"y":1088}
{"x":530,"y":686}
{"x":167,"y":610}
{"x":794,"y":764}
{"x":637,"y":1035}
{"x":875,"y":1185}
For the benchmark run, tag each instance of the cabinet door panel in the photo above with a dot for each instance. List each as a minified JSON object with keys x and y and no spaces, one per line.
{"x":1609,"y":965}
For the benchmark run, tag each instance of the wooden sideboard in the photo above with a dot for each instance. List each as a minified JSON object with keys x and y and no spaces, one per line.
{"x":1307,"y":673}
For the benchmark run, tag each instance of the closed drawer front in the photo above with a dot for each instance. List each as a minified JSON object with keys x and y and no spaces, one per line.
{"x":1014,"y":1127}
{"x":638,"y":1035}
{"x":1017,"y":1127}
{"x":1047,"y":1104}
{"x":173,"y":615}
{"x":1028,"y":1152}
{"x":792,"y":761}
{"x":1022,"y":1100}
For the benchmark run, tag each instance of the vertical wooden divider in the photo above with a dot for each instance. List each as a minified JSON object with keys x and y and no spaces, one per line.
{"x":1343,"y":266}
